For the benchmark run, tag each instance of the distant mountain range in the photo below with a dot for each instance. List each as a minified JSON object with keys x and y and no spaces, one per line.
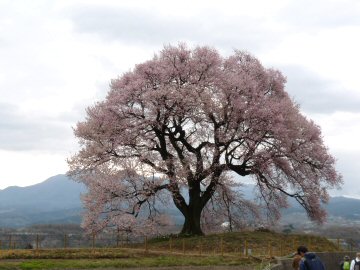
{"x":54,"y":201}
{"x":57,"y":201}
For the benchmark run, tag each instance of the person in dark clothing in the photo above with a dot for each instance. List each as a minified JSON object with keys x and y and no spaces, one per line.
{"x":355,"y":264}
{"x":310,"y":261}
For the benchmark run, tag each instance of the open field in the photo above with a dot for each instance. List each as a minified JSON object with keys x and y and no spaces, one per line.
{"x":248,"y":250}
{"x":111,"y":258}
{"x":123,"y":263}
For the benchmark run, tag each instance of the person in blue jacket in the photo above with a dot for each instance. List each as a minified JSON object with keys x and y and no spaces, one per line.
{"x":310,"y":261}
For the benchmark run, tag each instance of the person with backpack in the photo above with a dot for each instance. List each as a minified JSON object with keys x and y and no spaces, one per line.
{"x":310,"y":261}
{"x":355,"y":264}
{"x":345,"y":264}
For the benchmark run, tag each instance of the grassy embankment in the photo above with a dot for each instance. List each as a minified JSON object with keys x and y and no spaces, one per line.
{"x":224,"y":249}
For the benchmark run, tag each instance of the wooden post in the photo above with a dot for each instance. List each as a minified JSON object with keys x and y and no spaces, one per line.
{"x":222,"y":245}
{"x":200,"y":247}
{"x":183,"y":246}
{"x":294,"y":244}
{"x":246,"y":248}
{"x":146,"y":244}
{"x":118,"y":238}
{"x":37,"y":241}
{"x":65,"y":240}
{"x":10,"y":242}
{"x":170,"y":244}
{"x":270,"y":249}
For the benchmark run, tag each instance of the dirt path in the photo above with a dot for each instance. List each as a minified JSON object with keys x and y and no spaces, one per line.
{"x":183,"y":268}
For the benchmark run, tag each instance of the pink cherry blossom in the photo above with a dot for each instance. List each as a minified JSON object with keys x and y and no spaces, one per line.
{"x":186,"y":121}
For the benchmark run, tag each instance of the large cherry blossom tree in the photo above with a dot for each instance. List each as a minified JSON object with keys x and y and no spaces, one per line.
{"x":188,"y":125}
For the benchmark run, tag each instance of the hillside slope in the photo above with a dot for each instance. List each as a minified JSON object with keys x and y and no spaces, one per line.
{"x":56,"y":200}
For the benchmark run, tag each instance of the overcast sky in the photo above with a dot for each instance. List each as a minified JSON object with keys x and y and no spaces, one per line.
{"x":58,"y":57}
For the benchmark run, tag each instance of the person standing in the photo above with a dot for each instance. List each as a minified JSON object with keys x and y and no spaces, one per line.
{"x":310,"y":261}
{"x":345,"y":264}
{"x":355,"y":264}
{"x":296,"y":261}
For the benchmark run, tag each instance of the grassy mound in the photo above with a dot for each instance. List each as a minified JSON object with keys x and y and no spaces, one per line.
{"x":261,"y":244}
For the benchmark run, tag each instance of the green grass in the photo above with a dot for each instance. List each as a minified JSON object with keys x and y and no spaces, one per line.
{"x":158,"y":261}
{"x":85,"y":253}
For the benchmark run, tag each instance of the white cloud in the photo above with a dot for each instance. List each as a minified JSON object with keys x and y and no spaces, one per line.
{"x":341,"y":131}
{"x":28,"y":132}
{"x":316,"y":94}
{"x":332,"y":54}
{"x":312,"y":16}
{"x":348,"y":163}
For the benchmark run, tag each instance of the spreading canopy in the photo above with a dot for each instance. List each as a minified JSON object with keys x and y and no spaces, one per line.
{"x":193,"y":119}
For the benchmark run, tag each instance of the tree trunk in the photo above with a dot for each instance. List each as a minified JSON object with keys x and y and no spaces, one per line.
{"x":192,"y":224}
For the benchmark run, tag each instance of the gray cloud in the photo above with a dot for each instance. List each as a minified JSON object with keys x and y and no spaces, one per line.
{"x":127,"y":25}
{"x":21,"y":132}
{"x":144,"y":27}
{"x":317,"y":95}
